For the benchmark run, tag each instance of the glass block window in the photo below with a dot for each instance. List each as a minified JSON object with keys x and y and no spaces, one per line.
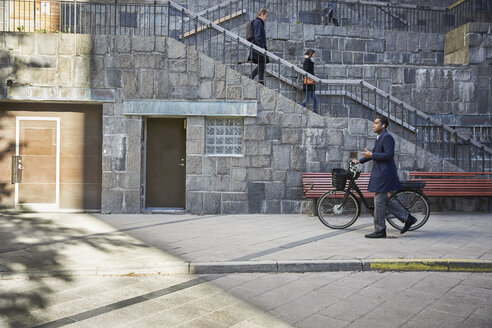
{"x":224,"y":136}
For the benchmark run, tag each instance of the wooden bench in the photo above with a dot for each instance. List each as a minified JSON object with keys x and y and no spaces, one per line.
{"x":457,"y":184}
{"x":314,"y":185}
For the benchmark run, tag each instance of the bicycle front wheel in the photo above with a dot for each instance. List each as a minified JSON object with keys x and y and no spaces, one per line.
{"x":415,"y":204}
{"x":336,"y":213}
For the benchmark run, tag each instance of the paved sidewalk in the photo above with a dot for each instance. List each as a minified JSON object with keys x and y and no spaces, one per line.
{"x":46,"y":244}
{"x":127,"y":271}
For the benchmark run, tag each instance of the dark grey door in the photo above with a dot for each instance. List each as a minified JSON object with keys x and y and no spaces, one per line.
{"x":165,"y":168}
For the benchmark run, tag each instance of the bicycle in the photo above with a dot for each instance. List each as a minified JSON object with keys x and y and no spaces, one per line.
{"x":340,"y":208}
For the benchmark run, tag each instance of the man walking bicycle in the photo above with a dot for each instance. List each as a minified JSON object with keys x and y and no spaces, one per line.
{"x":384,"y":178}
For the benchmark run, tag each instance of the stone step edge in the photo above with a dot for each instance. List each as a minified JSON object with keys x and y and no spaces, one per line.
{"x":268,"y":266}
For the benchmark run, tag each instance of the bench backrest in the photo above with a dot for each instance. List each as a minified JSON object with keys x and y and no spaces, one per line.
{"x":314,"y":185}
{"x":455,"y":183}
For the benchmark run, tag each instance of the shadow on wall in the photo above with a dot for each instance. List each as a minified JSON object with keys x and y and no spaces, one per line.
{"x":7,"y":149}
{"x":34,"y":243}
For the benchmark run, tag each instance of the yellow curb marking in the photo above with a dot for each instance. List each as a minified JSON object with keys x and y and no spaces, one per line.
{"x":432,"y":264}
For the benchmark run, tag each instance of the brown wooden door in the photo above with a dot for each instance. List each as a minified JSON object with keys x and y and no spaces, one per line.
{"x":165,"y":163}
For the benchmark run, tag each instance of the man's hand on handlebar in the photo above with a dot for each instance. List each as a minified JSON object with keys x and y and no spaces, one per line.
{"x":355,"y":161}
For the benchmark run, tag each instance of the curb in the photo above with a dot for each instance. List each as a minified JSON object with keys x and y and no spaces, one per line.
{"x":446,"y":265}
{"x":272,"y":266}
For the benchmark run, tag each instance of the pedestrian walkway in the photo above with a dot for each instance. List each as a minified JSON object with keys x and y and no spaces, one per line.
{"x":92,"y":270}
{"x":45,"y":243}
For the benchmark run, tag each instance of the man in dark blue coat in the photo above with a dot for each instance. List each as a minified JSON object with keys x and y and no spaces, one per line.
{"x":384,"y":178}
{"x":259,"y":39}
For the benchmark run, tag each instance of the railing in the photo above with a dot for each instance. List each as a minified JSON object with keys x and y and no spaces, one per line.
{"x":64,"y":16}
{"x":338,"y":98}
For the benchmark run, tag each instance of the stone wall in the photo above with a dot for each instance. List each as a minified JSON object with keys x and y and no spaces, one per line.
{"x":469,"y":44}
{"x":281,"y":143}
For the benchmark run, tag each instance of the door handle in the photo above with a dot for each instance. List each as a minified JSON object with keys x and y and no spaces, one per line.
{"x":17,"y":168}
{"x":181,"y":164}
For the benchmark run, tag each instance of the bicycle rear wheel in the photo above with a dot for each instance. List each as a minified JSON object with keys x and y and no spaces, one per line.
{"x":336,"y":213}
{"x":415,"y":204}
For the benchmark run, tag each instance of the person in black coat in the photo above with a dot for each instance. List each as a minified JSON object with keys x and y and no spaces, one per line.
{"x":259,"y":40}
{"x":309,"y":85}
{"x":384,"y":178}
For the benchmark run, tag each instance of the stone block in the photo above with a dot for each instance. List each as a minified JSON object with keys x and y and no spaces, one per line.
{"x":195,"y":120}
{"x":249,"y":89}
{"x":291,"y":136}
{"x":274,"y":190}
{"x":46,"y":44}
{"x":109,"y":180}
{"x":219,"y":89}
{"x":253,"y":147}
{"x":256,"y":196}
{"x":175,"y":49}
{"x":132,"y":201}
{"x":283,"y":32}
{"x":281,"y":157}
{"x":268,"y":99}
{"x":193,"y":164}
{"x":272,"y":207}
{"x":354,"y":44}
{"x":234,"y":207}
{"x":260,"y":161}
{"x":334,"y":137}
{"x":177,"y":66}
{"x":194,"y":202}
{"x":376,"y":46}
{"x":309,"y":32}
{"x":129,"y":180}
{"x":130,"y":86}
{"x":113,"y":125}
{"x":161,"y":44}
{"x":207,"y":66}
{"x":241,"y":161}
{"x":297,"y":32}
{"x":111,"y":201}
{"x":195,"y":132}
{"x":220,"y":71}
{"x":298,"y":158}
{"x":287,"y":207}
{"x":355,"y":72}
{"x":223,"y":165}
{"x":205,"y":90}
{"x":259,"y":174}
{"x":195,"y":147}
{"x":209,"y":165}
{"x":211,"y":203}
{"x":291,"y":120}
{"x":347,"y":57}
{"x":122,"y":44}
{"x":233,"y":92}
{"x":254,"y":132}
{"x":67,"y":44}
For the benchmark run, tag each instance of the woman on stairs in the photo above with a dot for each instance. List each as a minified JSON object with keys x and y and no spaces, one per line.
{"x":308,"y":84}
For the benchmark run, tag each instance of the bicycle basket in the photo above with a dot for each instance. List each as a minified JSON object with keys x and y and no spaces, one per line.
{"x":339,"y":178}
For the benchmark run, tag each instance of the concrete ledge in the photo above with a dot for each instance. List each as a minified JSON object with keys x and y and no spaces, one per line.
{"x":189,"y":108}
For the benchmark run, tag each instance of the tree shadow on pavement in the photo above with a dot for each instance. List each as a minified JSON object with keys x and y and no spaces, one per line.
{"x":34,"y":252}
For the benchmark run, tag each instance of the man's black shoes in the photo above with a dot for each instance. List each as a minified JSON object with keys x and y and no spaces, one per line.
{"x":408,"y":223}
{"x":377,"y":234}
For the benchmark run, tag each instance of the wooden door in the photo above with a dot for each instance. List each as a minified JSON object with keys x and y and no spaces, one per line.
{"x":37,"y":147}
{"x":165,"y":163}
